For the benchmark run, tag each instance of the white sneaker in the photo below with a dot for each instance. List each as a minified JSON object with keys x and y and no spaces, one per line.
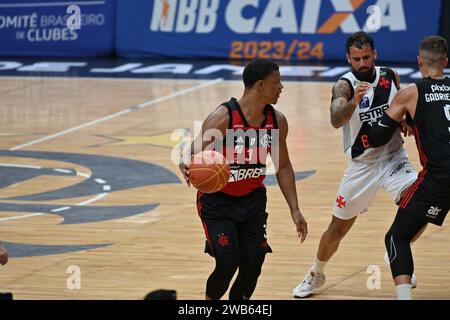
{"x":413,"y":278}
{"x":413,"y":281}
{"x":311,"y":282}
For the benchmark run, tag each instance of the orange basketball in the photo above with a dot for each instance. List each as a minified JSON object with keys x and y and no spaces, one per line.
{"x":209,"y":171}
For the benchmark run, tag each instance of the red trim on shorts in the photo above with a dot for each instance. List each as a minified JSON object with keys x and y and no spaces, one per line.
{"x":205,"y":228}
{"x":199,"y":203}
{"x":422,"y":155}
{"x":207,"y":237}
{"x":423,"y":160}
{"x":412,"y":189}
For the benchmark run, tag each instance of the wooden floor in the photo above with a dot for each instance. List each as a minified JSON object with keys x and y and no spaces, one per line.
{"x":163,"y":248}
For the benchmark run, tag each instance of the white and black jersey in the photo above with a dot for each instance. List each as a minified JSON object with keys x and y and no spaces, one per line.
{"x":371,"y":108}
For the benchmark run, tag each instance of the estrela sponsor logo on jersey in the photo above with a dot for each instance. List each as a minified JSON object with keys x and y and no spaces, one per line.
{"x":371,"y":116}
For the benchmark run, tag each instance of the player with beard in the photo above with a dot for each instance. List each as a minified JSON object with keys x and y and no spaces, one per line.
{"x":359,"y":99}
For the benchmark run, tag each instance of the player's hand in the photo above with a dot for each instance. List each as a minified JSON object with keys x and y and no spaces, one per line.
{"x":406,"y":129}
{"x":360,"y":91}
{"x":3,"y":255}
{"x":184,"y":168}
{"x":300,"y":223}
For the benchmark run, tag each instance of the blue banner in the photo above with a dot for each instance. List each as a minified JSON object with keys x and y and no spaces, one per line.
{"x":297,"y":30}
{"x":57,"y":28}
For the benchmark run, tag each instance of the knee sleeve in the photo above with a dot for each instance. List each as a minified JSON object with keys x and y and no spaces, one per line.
{"x":398,"y":242}
{"x":251,"y":261}
{"x":399,"y":251}
{"x":220,"y":278}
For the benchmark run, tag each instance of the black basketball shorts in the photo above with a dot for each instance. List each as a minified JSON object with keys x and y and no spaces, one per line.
{"x":428,"y":198}
{"x":233,"y":223}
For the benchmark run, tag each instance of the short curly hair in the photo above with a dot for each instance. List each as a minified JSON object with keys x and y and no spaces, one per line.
{"x":359,"y":39}
{"x":258,"y":69}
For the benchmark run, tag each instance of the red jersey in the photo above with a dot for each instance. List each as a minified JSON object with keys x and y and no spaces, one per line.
{"x":246,"y":148}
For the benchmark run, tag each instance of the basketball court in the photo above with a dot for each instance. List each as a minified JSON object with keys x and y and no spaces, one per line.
{"x":93,"y":207}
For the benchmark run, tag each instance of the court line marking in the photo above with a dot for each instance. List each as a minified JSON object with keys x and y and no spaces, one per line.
{"x":94,"y":199}
{"x":22,"y":217}
{"x":103,"y":119}
{"x":19,"y":166}
{"x":98,"y":197}
{"x":61,"y":209}
{"x":62,"y":170}
{"x":342,"y":280}
{"x":118,"y":114}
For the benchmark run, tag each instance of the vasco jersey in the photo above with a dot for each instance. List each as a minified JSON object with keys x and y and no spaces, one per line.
{"x":431,"y":124}
{"x":246,"y":149}
{"x":371,"y":108}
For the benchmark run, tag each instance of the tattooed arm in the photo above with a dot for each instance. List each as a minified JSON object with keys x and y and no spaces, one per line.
{"x":342,"y":106}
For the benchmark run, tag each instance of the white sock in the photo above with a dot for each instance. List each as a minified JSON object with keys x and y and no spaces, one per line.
{"x":318,"y":266}
{"x":403,"y":291}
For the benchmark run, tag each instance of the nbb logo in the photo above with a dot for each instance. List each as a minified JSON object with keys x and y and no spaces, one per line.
{"x":258,"y":16}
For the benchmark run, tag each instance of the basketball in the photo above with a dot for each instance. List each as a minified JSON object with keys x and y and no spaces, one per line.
{"x":209,"y":171}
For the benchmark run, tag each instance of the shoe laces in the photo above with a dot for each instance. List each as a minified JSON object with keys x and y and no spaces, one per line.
{"x":310,"y":278}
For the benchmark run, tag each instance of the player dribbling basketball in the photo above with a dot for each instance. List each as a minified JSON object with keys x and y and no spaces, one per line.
{"x":209,"y":171}
{"x":235,"y":218}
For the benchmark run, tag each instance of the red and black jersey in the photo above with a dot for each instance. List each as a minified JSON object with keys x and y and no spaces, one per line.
{"x":431,"y":124}
{"x":430,"y":194}
{"x":246,"y":148}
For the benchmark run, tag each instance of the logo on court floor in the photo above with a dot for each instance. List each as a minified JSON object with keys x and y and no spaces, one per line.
{"x":102,"y":175}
